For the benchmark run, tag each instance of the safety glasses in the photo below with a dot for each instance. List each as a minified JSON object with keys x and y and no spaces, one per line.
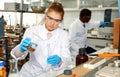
{"x":56,"y":20}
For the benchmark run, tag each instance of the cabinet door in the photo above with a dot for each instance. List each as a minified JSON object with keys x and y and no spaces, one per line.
{"x":69,"y":3}
{"x":98,"y":3}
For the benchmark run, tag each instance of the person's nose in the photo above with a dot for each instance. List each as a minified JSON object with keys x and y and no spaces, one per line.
{"x":53,"y":22}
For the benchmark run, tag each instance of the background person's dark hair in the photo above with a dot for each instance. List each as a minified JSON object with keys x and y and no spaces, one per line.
{"x":84,"y":12}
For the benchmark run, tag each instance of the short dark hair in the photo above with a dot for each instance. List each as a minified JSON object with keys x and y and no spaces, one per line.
{"x":85,"y":12}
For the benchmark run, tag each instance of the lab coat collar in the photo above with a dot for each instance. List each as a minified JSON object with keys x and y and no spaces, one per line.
{"x":80,"y":22}
{"x":45,"y":31}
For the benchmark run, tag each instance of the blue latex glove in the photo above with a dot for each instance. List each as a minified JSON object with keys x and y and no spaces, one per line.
{"x":103,"y":24}
{"x":53,"y":60}
{"x":26,"y":42}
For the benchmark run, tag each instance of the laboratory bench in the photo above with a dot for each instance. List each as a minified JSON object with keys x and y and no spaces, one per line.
{"x":81,"y":70}
{"x":99,"y":41}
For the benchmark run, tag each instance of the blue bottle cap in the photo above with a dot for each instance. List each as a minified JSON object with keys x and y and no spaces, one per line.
{"x":1,"y":63}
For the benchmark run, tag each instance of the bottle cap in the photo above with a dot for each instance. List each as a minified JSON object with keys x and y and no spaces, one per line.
{"x":82,"y":50}
{"x":1,"y":63}
{"x":67,"y":72}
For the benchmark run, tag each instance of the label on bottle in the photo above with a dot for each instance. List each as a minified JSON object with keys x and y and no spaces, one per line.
{"x":2,"y":72}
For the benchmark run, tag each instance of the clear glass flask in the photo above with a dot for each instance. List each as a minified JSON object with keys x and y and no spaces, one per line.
{"x":13,"y":69}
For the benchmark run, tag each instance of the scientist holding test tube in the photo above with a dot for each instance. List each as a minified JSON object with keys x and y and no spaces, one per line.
{"x":47,"y":44}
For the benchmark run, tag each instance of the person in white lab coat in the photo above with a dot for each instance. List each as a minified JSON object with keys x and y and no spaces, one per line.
{"x":78,"y":32}
{"x":51,"y":44}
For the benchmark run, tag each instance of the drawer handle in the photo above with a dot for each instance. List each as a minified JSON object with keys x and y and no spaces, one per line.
{"x":98,"y":46}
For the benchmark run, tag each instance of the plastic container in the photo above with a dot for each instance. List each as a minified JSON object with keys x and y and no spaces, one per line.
{"x":2,"y":69}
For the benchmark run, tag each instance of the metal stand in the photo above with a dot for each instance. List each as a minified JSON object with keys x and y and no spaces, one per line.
{"x":119,"y":43}
{"x":119,"y":29}
{"x":6,"y":53}
{"x":119,"y":7}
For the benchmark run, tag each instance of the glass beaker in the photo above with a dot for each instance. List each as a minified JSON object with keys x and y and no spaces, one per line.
{"x":13,"y":69}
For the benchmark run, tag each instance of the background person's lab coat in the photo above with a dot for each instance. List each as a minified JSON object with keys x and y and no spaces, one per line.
{"x":78,"y":35}
{"x":59,"y":45}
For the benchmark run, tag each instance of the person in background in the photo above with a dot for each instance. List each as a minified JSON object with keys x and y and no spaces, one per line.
{"x":78,"y":32}
{"x":51,"y":44}
{"x":2,"y":26}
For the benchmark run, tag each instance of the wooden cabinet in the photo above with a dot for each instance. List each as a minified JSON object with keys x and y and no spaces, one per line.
{"x":72,"y":5}
{"x":116,"y":33}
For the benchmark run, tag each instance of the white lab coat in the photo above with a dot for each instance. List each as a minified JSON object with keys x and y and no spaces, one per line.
{"x":58,"y":44}
{"x":78,"y":35}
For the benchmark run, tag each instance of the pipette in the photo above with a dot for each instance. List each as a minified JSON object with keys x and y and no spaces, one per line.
{"x":106,"y":55}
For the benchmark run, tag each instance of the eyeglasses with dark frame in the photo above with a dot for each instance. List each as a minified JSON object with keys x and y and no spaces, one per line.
{"x":56,"y":20}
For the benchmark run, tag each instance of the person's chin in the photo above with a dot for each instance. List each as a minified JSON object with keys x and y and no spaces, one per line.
{"x":51,"y":29}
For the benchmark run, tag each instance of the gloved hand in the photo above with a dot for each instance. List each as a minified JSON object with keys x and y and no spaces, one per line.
{"x":53,"y":60}
{"x":26,"y":42}
{"x":103,"y":24}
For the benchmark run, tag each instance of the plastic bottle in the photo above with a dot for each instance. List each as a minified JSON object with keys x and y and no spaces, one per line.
{"x":2,"y":69}
{"x":81,"y":57}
